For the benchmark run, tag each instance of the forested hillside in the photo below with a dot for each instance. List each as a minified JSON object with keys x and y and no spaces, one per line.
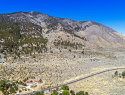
{"x":21,"y":38}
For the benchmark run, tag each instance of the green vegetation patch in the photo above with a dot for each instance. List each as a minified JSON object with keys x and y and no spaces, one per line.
{"x":7,"y":87}
{"x":68,"y":44}
{"x":15,"y":34}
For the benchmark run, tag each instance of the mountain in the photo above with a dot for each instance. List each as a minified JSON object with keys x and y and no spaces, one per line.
{"x":88,"y":32}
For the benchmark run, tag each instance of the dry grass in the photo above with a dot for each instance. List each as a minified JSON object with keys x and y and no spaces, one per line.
{"x":102,"y":84}
{"x":59,"y":66}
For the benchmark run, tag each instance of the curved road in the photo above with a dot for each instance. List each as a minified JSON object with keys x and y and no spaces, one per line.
{"x":76,"y":80}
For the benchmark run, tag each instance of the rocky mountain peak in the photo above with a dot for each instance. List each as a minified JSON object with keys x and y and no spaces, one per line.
{"x":95,"y":33}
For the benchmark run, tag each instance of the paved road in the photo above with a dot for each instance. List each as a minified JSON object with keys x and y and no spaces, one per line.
{"x":77,"y":80}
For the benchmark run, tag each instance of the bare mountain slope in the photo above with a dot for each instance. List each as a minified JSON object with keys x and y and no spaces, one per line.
{"x":96,"y":34}
{"x":102,"y":36}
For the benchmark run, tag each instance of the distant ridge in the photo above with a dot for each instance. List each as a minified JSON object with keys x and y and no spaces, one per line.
{"x":95,"y":33}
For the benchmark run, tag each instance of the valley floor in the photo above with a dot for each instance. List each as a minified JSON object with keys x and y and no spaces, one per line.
{"x":59,"y":67}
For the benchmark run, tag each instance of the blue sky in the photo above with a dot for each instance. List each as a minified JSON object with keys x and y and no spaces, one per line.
{"x":107,"y":12}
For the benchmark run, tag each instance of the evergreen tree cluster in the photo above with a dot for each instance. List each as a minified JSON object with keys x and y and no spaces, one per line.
{"x":16,"y":34}
{"x":8,"y":88}
{"x":68,"y":44}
